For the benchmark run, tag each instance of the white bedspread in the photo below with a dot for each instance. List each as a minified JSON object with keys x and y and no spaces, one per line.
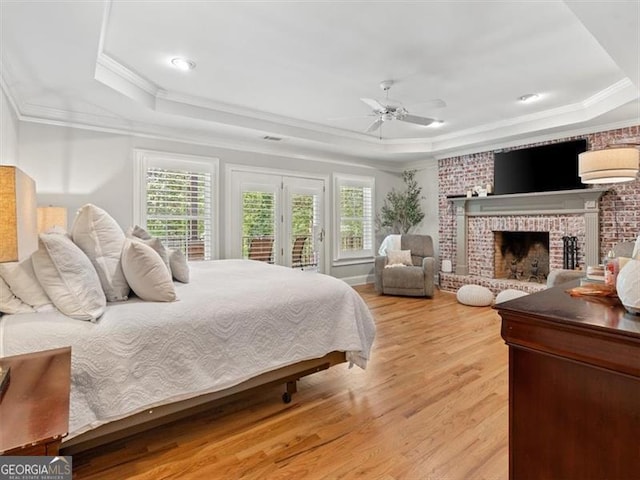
{"x":235,"y":320}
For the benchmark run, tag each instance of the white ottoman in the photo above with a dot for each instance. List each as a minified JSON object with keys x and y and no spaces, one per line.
{"x":509,"y":294}
{"x":474,"y":295}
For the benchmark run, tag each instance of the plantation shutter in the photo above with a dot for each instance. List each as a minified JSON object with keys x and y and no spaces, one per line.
{"x":178,"y":209}
{"x":354,"y":217}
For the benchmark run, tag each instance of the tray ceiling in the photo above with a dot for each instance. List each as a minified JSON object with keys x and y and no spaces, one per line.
{"x":297,"y":70}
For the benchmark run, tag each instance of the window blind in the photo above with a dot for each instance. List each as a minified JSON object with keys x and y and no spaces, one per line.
{"x":355,"y":218}
{"x":178,"y":209}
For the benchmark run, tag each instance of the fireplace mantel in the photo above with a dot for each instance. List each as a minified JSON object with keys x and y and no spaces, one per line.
{"x":566,"y":202}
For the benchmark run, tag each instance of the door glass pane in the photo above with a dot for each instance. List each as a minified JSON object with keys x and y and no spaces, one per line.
{"x":304,"y":231}
{"x":258,"y":226}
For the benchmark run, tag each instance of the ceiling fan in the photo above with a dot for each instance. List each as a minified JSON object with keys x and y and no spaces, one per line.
{"x":388,"y":110}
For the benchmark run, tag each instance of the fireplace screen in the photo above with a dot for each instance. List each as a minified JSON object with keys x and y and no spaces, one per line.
{"x":521,"y":256}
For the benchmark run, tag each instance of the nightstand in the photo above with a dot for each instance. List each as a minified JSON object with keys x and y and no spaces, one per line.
{"x":34,"y":410}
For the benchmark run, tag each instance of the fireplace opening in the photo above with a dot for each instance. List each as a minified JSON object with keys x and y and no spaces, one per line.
{"x":521,"y":256}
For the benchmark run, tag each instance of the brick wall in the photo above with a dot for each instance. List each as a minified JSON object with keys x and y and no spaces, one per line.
{"x":619,"y":208}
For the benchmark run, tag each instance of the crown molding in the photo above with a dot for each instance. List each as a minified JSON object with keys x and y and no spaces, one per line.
{"x":495,"y":146}
{"x":127,"y":82}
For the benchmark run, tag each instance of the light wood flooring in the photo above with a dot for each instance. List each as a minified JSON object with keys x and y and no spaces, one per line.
{"x":432,"y":405}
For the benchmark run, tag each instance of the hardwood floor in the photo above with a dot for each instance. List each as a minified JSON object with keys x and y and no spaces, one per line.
{"x":432,"y":404}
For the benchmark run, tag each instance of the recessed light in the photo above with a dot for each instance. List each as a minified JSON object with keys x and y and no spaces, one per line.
{"x":529,"y":97}
{"x":436,"y":124}
{"x":183,"y":64}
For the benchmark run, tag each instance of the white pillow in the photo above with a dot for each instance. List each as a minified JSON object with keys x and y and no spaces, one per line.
{"x":159,"y":248}
{"x":474,"y":295}
{"x":509,"y":294}
{"x":68,"y":277}
{"x":100,"y":237}
{"x":9,"y":303}
{"x":399,"y":257}
{"x":140,"y":232}
{"x":146,"y":272}
{"x":179,"y":265}
{"x":23,"y":283}
{"x":636,"y":249}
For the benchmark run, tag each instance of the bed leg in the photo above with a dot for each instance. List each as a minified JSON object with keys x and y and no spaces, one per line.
{"x":292,"y":387}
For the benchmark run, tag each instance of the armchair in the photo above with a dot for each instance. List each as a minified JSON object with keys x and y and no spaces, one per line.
{"x":416,"y":280}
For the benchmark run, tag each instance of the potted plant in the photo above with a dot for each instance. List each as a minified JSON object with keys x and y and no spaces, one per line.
{"x":401,"y":210}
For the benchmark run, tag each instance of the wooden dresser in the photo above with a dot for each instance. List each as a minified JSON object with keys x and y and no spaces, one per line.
{"x":574,"y":387}
{"x":34,"y":410}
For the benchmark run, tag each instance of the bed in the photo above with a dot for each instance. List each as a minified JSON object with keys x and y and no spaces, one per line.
{"x":238,"y":324}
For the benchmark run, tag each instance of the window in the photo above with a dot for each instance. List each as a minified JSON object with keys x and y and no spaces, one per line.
{"x":353,"y":233}
{"x":175,"y":201}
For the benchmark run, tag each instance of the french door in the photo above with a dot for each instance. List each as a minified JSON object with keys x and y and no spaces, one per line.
{"x":278,"y":219}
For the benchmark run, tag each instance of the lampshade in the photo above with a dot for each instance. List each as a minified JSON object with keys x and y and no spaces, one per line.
{"x":18,"y":227}
{"x":610,"y":165}
{"x":50,"y":217}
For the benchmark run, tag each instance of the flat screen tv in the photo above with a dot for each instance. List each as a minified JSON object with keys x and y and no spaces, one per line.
{"x":545,"y":168}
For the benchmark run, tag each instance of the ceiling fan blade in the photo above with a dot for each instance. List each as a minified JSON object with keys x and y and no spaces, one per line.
{"x":375,"y":104}
{"x":374,"y":126}
{"x":416,"y":119}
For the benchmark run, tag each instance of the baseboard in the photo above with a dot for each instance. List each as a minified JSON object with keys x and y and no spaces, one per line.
{"x":358,"y":279}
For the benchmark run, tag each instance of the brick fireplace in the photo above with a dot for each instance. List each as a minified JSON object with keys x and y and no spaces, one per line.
{"x":550,"y":215}
{"x":613,"y":216}
{"x":521,"y":256}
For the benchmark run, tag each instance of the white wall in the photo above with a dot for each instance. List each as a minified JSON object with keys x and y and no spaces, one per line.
{"x":74,"y":166}
{"x":8,"y":132}
{"x":427,"y":177}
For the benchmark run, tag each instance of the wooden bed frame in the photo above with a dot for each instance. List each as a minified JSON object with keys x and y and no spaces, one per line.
{"x":163,"y":414}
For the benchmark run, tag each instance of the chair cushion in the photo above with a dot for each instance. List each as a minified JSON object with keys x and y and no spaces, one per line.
{"x":403,"y":277}
{"x":420,"y":245}
{"x":509,"y":294}
{"x":474,"y":295}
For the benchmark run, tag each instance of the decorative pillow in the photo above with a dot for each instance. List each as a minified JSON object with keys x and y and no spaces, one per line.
{"x":68,"y":277}
{"x":140,"y":232}
{"x":9,"y":303}
{"x":474,"y":295}
{"x":159,"y":248}
{"x":100,"y":237}
{"x":23,"y":283}
{"x":174,"y":259}
{"x":509,"y":294}
{"x":179,"y":265}
{"x":399,"y":257}
{"x":146,"y":272}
